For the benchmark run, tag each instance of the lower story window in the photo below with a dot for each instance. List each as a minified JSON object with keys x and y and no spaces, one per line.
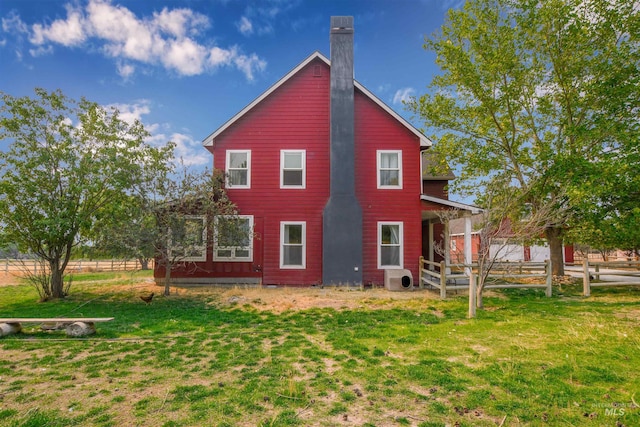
{"x":234,"y":235}
{"x":189,"y":239}
{"x":292,"y":244}
{"x":390,"y":245}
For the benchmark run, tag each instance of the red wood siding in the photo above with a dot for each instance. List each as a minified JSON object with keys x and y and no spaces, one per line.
{"x":436,"y":189}
{"x":295,"y":116}
{"x":376,"y":130}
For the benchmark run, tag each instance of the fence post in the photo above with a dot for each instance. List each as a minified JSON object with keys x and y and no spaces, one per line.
{"x":443,"y":280}
{"x":549,"y":290}
{"x":597,"y":272}
{"x":472,"y":295}
{"x":420,"y":267}
{"x":586,"y":285}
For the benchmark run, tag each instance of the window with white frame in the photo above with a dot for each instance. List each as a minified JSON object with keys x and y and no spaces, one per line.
{"x":188,"y":239}
{"x":293,"y":244}
{"x":238,"y":167}
{"x":292,"y":168}
{"x":390,"y":245}
{"x":233,"y":238}
{"x":389,"y":166}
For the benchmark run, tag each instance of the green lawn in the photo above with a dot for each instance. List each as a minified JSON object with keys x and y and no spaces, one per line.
{"x":195,"y":360}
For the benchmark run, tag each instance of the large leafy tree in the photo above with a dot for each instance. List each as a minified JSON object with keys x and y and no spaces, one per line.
{"x":535,"y":99}
{"x":68,"y":163}
{"x":608,"y":216}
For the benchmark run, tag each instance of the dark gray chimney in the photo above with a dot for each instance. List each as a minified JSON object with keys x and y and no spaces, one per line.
{"x":342,"y":217}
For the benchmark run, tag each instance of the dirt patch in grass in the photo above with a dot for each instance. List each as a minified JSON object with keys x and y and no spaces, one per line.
{"x":629,"y":314}
{"x":279,"y":300}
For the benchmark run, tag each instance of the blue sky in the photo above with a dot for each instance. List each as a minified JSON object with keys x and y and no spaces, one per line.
{"x":185,"y":67}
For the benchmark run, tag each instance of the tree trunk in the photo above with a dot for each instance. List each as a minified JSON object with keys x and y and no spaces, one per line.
{"x":57,"y":279}
{"x":167,"y":279}
{"x":144,"y":263}
{"x":554,"y":237}
{"x":479,"y":302}
{"x":482,"y":277}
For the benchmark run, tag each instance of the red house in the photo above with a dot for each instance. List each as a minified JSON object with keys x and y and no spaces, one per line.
{"x":327,"y":176}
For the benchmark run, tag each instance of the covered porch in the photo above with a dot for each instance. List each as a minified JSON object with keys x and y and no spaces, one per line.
{"x":436,"y":214}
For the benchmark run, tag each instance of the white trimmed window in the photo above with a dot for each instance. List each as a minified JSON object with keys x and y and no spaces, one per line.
{"x":238,"y":167}
{"x":292,"y":168}
{"x":233,"y":238}
{"x":188,"y":239}
{"x":293,"y":236}
{"x":389,"y":166}
{"x":390,"y":245}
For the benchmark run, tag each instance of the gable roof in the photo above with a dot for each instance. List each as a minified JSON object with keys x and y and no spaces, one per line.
{"x":209,"y":140}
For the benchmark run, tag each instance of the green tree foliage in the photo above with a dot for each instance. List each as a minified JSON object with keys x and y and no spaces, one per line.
{"x":68,"y":164}
{"x":172,"y":221}
{"x":535,"y":102}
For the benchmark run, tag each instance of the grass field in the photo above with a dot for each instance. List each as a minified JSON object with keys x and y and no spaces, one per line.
{"x":321,"y":357}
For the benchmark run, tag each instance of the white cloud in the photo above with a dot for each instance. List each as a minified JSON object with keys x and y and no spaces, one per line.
{"x":125,"y":70}
{"x":403,"y":95}
{"x":170,"y":38}
{"x":131,"y":112}
{"x":249,"y":64}
{"x":187,"y":150}
{"x":190,"y":151}
{"x":263,"y":14}
{"x":69,"y":32}
{"x":13,"y":24}
{"x":180,"y":22}
{"x":185,"y":56}
{"x":217,"y":56}
{"x":245,"y":26}
{"x":40,"y":51}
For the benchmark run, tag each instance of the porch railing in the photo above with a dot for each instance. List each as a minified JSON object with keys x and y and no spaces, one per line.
{"x":505,"y":275}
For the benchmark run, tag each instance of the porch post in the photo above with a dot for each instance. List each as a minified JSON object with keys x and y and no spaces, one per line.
{"x":468,"y":257}
{"x":447,"y":246}
{"x":431,"y":243}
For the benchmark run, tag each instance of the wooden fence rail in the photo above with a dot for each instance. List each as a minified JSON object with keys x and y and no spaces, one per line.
{"x":23,"y":266}
{"x":593,"y":270}
{"x":438,"y":275}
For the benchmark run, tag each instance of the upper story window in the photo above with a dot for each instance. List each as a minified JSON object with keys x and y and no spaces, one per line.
{"x":292,"y":168}
{"x":390,"y":245}
{"x":238,"y":168}
{"x":233,"y":238}
{"x":389,"y":164}
{"x":188,"y":239}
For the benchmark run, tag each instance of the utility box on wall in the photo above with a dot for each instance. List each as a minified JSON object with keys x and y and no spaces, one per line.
{"x":398,"y":280}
